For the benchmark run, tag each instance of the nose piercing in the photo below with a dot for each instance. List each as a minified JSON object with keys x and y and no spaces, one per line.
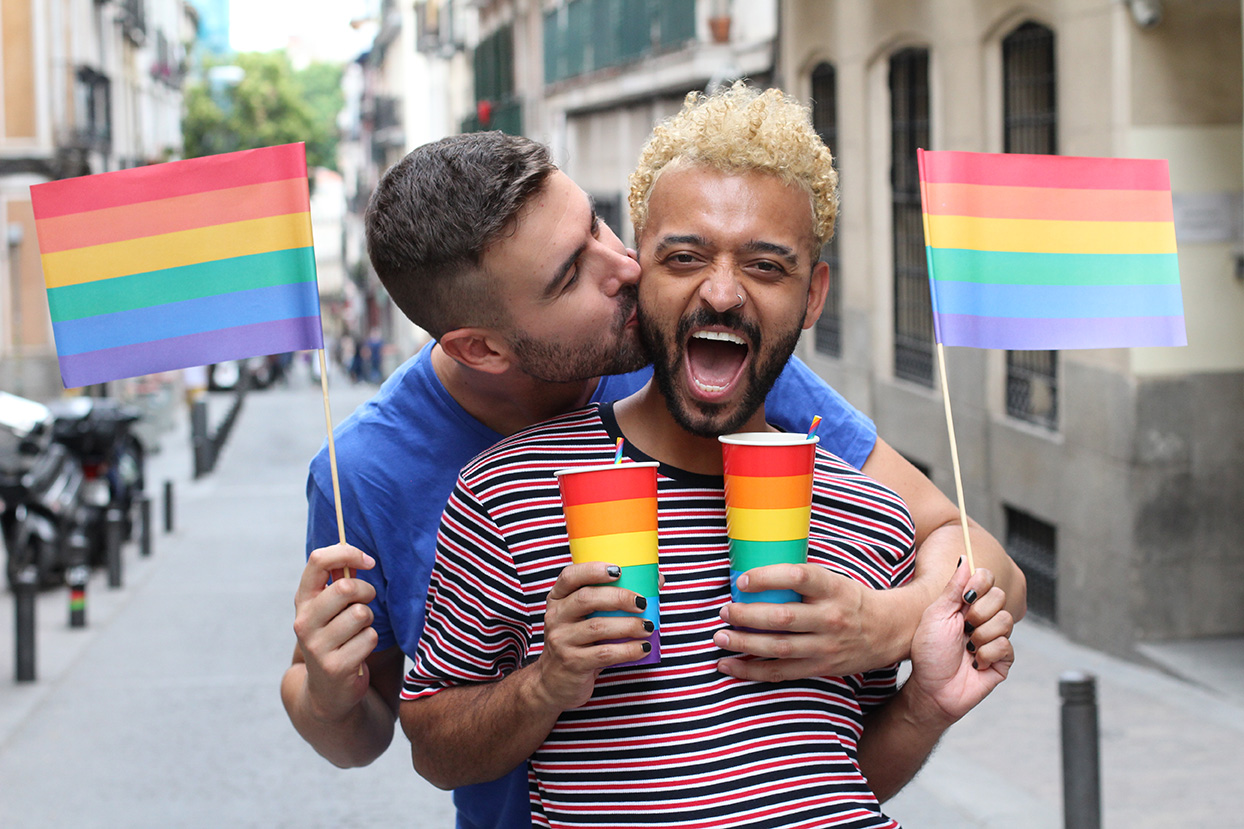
{"x":741,"y":301}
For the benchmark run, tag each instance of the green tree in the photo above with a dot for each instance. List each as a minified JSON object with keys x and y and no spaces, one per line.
{"x":258,"y":100}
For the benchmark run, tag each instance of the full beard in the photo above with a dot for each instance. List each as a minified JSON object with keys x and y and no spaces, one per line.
{"x":668,"y":355}
{"x":559,"y":362}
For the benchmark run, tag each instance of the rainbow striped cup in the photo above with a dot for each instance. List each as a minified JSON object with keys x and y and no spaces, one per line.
{"x":768,"y":504}
{"x":611,"y":516}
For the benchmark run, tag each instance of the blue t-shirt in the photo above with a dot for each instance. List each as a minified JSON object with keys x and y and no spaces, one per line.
{"x":398,"y":457}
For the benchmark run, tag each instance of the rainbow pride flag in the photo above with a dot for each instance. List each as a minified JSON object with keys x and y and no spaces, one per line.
{"x":179,"y":264}
{"x":1050,"y":252}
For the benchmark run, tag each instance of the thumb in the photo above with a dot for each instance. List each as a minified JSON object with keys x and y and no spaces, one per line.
{"x":953,"y":594}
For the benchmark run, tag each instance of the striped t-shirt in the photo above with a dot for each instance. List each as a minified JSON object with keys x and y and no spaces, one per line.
{"x":678,"y":743}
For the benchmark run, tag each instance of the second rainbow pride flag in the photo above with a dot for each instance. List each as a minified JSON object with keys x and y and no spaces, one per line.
{"x":1050,"y":252}
{"x":179,"y":264}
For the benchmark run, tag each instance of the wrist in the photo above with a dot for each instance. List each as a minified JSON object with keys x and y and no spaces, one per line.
{"x":894,"y":614}
{"x":921,"y":711}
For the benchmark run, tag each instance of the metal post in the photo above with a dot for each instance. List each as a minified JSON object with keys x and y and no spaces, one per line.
{"x":25,"y":586}
{"x":144,"y":518}
{"x":1081,"y":765}
{"x":77,"y":577}
{"x":200,"y":439}
{"x":114,"y":528}
{"x":168,"y":506}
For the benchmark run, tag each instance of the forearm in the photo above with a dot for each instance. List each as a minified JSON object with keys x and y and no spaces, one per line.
{"x":897,"y":740}
{"x":477,"y":733}
{"x":354,"y":740}
{"x":938,"y":556}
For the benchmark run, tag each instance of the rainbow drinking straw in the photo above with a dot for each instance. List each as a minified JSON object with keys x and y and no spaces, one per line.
{"x":617,"y":452}
{"x":816,"y":421}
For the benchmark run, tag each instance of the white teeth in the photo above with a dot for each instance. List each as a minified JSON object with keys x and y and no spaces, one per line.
{"x":724,"y":336}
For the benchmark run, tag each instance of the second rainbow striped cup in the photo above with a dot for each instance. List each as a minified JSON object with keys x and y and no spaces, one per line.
{"x":611,"y":516}
{"x":768,"y":504}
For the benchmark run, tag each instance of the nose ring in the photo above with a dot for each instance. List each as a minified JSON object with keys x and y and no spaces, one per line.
{"x":741,"y":301}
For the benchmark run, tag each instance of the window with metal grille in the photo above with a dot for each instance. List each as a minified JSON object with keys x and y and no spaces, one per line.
{"x":581,"y":36}
{"x":825,"y":120}
{"x":909,"y":130}
{"x":1032,"y":544}
{"x":1030,"y":125}
{"x":497,"y":107}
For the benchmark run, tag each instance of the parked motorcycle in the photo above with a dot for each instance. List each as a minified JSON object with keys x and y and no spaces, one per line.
{"x":41,"y":488}
{"x":99,"y":433}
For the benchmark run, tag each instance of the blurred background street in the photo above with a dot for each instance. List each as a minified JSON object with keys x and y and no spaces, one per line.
{"x":164,"y":711}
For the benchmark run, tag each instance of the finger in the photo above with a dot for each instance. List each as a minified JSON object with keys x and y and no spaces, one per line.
{"x":594,"y":599}
{"x":576,"y":576}
{"x":579,"y":645}
{"x":325,"y":560}
{"x":346,"y":601}
{"x":997,"y":627}
{"x":951,"y":600}
{"x":766,"y":670}
{"x":985,"y":607}
{"x":809,"y":580}
{"x":766,"y":645}
{"x":766,"y":616}
{"x":998,"y":655}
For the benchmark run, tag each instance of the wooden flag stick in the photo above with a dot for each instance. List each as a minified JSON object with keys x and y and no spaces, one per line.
{"x":332,"y":456}
{"x":954,"y":457}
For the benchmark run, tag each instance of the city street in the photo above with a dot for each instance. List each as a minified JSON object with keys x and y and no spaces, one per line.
{"x":165,"y":710}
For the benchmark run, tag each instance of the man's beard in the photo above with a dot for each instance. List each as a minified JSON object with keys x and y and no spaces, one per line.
{"x":669,"y":354}
{"x":559,"y":362}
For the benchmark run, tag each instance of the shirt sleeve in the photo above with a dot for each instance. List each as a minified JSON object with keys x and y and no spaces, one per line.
{"x":477,"y":628}
{"x":800,"y":394}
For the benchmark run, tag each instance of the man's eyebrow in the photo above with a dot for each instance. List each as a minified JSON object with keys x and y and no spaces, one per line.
{"x":674,"y":240}
{"x":789,"y":254}
{"x":564,"y":268}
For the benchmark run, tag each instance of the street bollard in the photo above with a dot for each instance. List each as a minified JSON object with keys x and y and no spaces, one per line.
{"x":1081,"y":762}
{"x":200,"y":439}
{"x":25,"y":588}
{"x":114,"y":528}
{"x":77,"y":577}
{"x":168,"y":506}
{"x":144,"y":526}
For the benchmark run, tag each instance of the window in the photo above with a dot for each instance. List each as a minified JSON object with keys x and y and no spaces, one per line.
{"x":1030,"y":125}
{"x":1032,"y":544}
{"x":825,"y":119}
{"x":909,"y":130}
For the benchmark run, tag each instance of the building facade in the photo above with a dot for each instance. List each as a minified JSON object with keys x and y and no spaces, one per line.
{"x":88,"y":87}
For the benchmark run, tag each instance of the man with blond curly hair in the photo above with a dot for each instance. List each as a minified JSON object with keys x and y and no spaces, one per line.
{"x":732,"y":201}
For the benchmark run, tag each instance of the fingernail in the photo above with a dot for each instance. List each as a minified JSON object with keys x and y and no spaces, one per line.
{"x":648,"y":626}
{"x":960,"y":564}
{"x":974,"y":665}
{"x":968,"y":627}
{"x":641,"y":602}
{"x":969,"y":596}
{"x":971,"y":647}
{"x":647,"y":646}
{"x":614,"y":571}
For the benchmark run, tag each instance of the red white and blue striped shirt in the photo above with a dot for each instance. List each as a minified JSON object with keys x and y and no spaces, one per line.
{"x":675,"y":744}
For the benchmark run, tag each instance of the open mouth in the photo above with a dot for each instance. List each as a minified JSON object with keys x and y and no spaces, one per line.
{"x":715,"y":361}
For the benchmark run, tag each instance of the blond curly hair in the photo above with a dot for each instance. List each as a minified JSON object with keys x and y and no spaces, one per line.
{"x":738,"y":130}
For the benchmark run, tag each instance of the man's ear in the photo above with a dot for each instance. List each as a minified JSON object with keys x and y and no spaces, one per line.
{"x":480,"y":349}
{"x":818,"y":289}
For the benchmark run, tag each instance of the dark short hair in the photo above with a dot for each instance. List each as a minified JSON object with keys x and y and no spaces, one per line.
{"x":433,"y":214}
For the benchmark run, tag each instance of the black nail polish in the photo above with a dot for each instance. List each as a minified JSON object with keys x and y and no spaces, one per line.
{"x":647,"y":646}
{"x":614,"y":571}
{"x":971,"y":647}
{"x":641,"y":602}
{"x":648,"y":626}
{"x":968,"y":627}
{"x":974,"y":665}
{"x":969,"y":596}
{"x":960,"y":564}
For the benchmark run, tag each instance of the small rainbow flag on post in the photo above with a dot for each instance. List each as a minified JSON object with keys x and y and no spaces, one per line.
{"x":1050,"y":252}
{"x":179,"y":264}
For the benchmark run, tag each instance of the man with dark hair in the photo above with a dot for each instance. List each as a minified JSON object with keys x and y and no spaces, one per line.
{"x":514,"y":666}
{"x":532,"y":299}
